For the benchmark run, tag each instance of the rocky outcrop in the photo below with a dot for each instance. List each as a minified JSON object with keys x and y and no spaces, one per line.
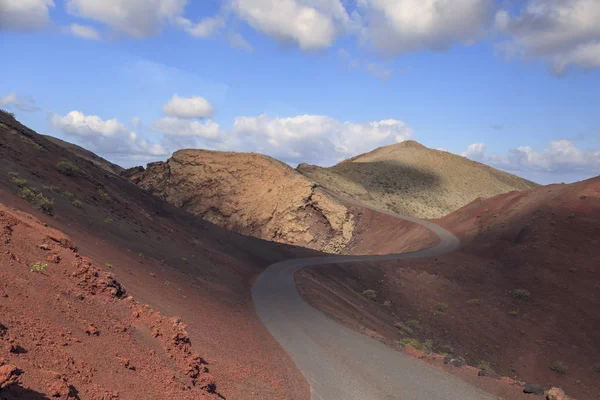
{"x":251,"y":194}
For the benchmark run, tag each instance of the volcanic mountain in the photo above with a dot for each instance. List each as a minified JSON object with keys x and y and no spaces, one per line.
{"x":410,"y":179}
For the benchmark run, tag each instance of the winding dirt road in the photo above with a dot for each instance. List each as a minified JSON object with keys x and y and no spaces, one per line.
{"x":340,"y":363}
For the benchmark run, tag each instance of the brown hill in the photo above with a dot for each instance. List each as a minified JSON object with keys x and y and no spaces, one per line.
{"x":251,"y":194}
{"x":410,"y":179}
{"x":521,"y":296}
{"x":87,"y":155}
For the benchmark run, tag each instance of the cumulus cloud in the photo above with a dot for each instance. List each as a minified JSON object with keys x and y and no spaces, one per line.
{"x":13,"y":100}
{"x":107,"y":137}
{"x":475,"y":151}
{"x":204,"y":29}
{"x":136,"y":18}
{"x":559,"y":156}
{"x":84,"y":32}
{"x":182,"y":127}
{"x":188,"y":107}
{"x":311,"y":24}
{"x":24,"y":15}
{"x":314,"y":138}
{"x":237,"y":41}
{"x":563,"y":33}
{"x":396,"y":27}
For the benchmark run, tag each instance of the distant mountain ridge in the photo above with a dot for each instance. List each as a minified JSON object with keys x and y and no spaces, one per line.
{"x":410,"y":179}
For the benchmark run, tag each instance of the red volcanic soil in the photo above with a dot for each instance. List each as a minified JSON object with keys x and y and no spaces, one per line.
{"x":177,"y":264}
{"x":520,"y":298}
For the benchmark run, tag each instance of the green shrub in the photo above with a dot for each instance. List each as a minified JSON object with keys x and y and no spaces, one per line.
{"x":387,"y":303}
{"x":484,"y":365}
{"x":558,"y":367}
{"x":520,"y":294}
{"x":28,"y":194}
{"x":108,"y":220}
{"x":7,"y":113}
{"x":369,"y":294}
{"x":109,"y":266}
{"x":445,"y":349}
{"x":13,"y":174}
{"x":474,"y":302}
{"x":167,"y":283}
{"x":44,"y":204}
{"x":31,"y":142}
{"x":67,"y":168}
{"x":513,"y":313}
{"x":69,"y":196}
{"x":404,"y":328}
{"x":76,"y":203}
{"x":441,"y":307}
{"x":37,"y":267}
{"x":19,"y":182}
{"x":583,"y":197}
{"x":414,"y":324}
{"x":103,"y":195}
{"x":51,"y":188}
{"x":427,"y":345}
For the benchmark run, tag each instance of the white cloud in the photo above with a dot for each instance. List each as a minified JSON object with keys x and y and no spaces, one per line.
{"x":559,"y":156}
{"x":14,"y":100}
{"x":135,"y":121}
{"x":313,"y":138}
{"x":311,"y":24}
{"x":563,"y":33}
{"x":137,"y":18}
{"x":475,"y":151}
{"x":237,"y":41}
{"x":203,"y":29}
{"x":374,"y":69}
{"x":84,"y":32}
{"x":108,"y":137}
{"x":188,"y":107}
{"x":399,"y":26}
{"x":24,"y":15}
{"x":181,"y":127}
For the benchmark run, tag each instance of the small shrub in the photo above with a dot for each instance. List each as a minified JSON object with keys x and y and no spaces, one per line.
{"x":404,"y":328}
{"x":513,"y":313}
{"x":474,"y":302}
{"x":441,"y":307}
{"x":445,"y":349}
{"x":44,"y":204}
{"x":369,"y":294}
{"x":571,"y":216}
{"x":167,"y":283}
{"x":108,"y":265}
{"x":76,"y":203}
{"x":108,"y":220}
{"x":67,"y":168}
{"x":484,"y":365}
{"x":520,"y":294}
{"x":103,"y":195}
{"x":140,"y":255}
{"x":19,"y":182}
{"x":558,"y":367}
{"x":414,"y":324}
{"x":387,"y":303}
{"x":28,"y":194}
{"x":69,"y":196}
{"x":596,"y":368}
{"x":37,"y":267}
{"x":414,"y":343}
{"x":583,"y":197}
{"x":7,"y":113}
{"x":13,"y":174}
{"x":184,"y":259}
{"x":31,"y":142}
{"x":51,"y":188}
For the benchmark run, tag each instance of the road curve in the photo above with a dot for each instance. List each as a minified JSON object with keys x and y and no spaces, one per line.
{"x":340,"y":363}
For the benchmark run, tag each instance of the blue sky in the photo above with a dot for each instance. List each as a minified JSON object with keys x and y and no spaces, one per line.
{"x":311,"y":80}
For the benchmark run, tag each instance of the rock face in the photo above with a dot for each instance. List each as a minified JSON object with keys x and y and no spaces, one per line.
{"x":409,"y":179}
{"x":251,"y":194}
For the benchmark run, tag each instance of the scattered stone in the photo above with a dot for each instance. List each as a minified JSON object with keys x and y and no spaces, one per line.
{"x":44,"y":246}
{"x":532,"y":388}
{"x":556,"y":394}
{"x":9,"y":375}
{"x":125,"y":362}
{"x":152,"y":274}
{"x":53,"y":258}
{"x":91,"y":330}
{"x":60,"y":389}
